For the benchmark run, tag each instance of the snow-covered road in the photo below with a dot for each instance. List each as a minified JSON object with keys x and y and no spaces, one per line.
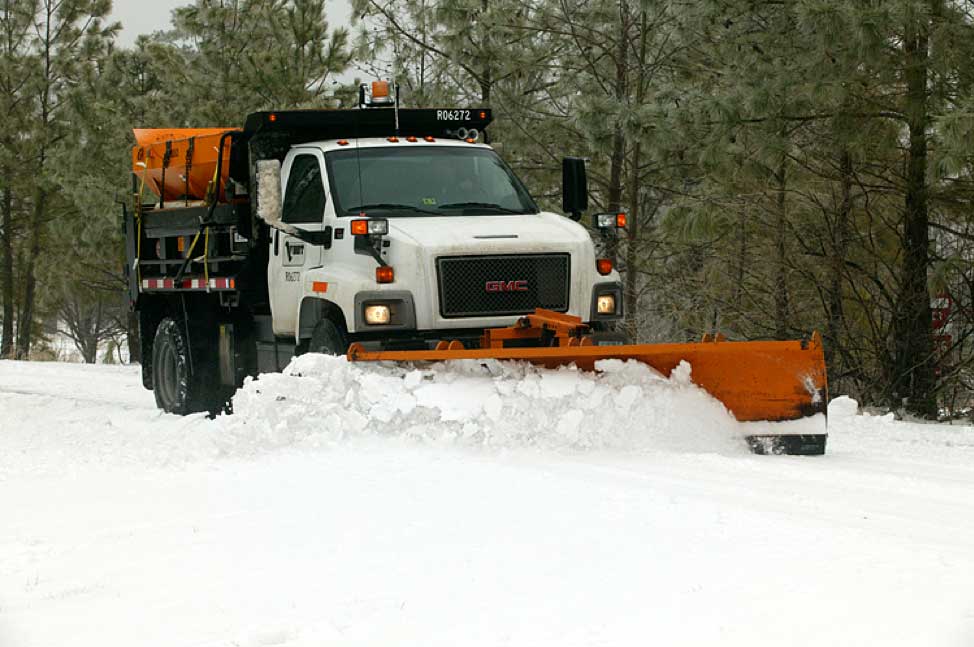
{"x":479,"y":523}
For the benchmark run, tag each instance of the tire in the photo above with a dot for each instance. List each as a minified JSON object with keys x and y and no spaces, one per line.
{"x":175,"y":385}
{"x":327,"y":339}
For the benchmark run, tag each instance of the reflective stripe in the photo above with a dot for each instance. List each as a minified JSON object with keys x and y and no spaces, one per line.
{"x":223,"y":283}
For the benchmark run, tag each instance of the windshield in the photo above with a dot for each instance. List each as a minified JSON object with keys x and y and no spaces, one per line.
{"x":425,"y":181}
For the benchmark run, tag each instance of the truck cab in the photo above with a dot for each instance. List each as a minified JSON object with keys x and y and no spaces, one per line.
{"x":426,"y":239}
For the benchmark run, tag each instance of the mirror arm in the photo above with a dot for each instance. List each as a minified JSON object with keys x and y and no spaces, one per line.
{"x":318,"y":238}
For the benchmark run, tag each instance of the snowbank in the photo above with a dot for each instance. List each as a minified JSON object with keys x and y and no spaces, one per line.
{"x":627,"y":405}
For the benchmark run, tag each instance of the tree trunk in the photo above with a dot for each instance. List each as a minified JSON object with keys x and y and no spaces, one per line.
{"x":25,"y":321}
{"x":631,"y":287}
{"x":487,"y":75}
{"x":840,"y":243}
{"x":781,"y":308}
{"x":618,"y":157}
{"x":914,"y":381}
{"x":7,"y":269}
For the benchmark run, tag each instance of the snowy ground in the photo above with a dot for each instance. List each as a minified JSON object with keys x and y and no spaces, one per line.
{"x":374,"y":506}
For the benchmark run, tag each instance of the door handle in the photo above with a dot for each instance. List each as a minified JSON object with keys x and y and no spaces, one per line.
{"x":277,"y":233}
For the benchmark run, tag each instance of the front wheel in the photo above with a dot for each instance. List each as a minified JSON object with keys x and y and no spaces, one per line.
{"x":327,"y":338}
{"x":176,"y":386}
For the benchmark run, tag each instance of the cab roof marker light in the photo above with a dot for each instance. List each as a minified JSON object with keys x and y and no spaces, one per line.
{"x":411,"y":138}
{"x":343,"y":142}
{"x":393,"y":139}
{"x":380,"y":93}
{"x":429,"y":138}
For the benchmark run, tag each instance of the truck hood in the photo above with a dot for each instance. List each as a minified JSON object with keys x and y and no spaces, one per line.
{"x":488,"y":233}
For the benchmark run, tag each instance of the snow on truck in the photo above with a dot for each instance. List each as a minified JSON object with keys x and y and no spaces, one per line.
{"x":384,"y":233}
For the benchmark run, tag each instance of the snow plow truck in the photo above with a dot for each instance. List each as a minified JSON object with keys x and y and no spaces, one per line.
{"x":392,"y":234}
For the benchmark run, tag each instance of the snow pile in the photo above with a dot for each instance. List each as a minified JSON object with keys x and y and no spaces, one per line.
{"x":627,"y":405}
{"x":65,"y":420}
{"x":842,"y":409}
{"x":850,"y":430}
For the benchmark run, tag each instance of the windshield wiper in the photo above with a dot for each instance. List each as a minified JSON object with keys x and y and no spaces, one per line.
{"x":392,"y":207}
{"x":479,"y":205}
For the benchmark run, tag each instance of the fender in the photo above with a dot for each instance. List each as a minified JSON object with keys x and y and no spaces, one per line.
{"x":313,"y":310}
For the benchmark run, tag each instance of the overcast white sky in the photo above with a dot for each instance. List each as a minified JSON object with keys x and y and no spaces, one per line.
{"x":145,"y":16}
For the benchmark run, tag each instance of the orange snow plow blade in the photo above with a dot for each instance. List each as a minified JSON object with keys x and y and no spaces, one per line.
{"x":758,"y":381}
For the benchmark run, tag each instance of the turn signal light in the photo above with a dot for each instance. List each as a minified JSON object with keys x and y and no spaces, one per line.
{"x":604,"y":266}
{"x":621,"y":220}
{"x":384,"y":274}
{"x":360,"y":227}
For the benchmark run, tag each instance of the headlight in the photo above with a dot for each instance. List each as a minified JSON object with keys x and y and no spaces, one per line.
{"x":379,"y":227}
{"x":377,"y":315}
{"x":606,"y":304}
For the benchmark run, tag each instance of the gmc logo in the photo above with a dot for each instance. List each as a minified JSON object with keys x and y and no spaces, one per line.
{"x":506,"y":286}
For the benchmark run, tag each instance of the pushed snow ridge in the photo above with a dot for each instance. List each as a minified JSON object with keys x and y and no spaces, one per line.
{"x":625,"y":405}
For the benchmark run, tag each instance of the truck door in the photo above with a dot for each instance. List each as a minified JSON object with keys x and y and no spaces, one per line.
{"x":304,"y":207}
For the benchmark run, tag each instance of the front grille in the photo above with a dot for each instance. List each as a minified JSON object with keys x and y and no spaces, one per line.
{"x":472,"y":286}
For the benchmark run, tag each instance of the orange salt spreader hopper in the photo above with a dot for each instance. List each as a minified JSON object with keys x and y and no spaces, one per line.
{"x":760,"y":382}
{"x":179,"y":163}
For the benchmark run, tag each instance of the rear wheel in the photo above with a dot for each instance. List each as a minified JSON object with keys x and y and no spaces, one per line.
{"x":179,"y":379}
{"x":327,"y":338}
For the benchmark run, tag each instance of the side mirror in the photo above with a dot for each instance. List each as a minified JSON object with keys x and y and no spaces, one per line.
{"x":574,"y":187}
{"x":269,"y":192}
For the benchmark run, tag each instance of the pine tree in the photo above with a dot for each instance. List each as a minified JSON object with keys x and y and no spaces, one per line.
{"x":238,"y":56}
{"x":68,"y":36}
{"x":16,"y":69}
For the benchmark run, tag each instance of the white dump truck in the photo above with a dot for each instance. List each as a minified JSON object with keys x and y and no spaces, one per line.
{"x":307,"y":231}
